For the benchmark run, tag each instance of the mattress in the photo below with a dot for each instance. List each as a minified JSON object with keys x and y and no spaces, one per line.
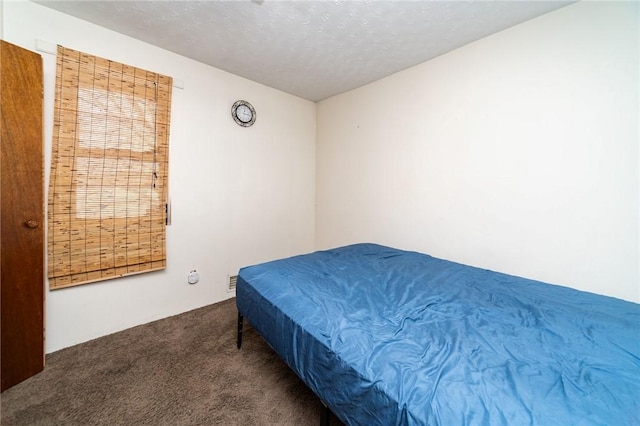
{"x":386,"y":336}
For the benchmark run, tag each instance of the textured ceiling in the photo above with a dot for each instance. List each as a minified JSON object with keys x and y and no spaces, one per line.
{"x":312,"y":49}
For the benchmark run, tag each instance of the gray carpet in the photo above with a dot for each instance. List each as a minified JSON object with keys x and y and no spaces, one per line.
{"x":182,"y":370}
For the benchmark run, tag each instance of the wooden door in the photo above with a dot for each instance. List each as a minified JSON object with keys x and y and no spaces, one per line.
{"x":22,"y":224}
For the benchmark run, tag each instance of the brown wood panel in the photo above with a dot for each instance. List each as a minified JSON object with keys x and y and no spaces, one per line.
{"x":22,"y":219}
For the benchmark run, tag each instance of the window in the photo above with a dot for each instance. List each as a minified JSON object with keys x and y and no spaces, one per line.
{"x":108,"y":185}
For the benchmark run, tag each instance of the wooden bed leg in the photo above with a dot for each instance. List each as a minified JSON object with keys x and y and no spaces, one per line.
{"x":240,"y":318}
{"x":326,"y":415}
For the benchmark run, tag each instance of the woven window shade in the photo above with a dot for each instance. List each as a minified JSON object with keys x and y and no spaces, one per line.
{"x":108,"y":185}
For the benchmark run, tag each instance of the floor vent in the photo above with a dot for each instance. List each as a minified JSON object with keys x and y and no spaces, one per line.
{"x":231,"y":283}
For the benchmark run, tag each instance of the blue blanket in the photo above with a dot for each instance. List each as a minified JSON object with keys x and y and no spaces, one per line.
{"x":386,"y":336}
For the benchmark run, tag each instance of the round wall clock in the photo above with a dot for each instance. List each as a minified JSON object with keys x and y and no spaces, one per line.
{"x":243,"y":113}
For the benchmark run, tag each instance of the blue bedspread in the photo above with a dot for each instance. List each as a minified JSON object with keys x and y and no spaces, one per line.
{"x":386,"y":336}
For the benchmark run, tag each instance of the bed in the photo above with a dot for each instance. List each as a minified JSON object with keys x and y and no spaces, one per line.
{"x":392,"y":337}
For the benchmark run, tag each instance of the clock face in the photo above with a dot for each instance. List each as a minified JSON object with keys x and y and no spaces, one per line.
{"x":243,"y":113}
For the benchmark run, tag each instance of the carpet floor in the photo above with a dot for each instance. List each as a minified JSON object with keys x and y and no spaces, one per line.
{"x":181,"y":370}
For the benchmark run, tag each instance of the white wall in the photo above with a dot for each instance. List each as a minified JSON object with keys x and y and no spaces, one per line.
{"x":517,"y":153}
{"x":239,"y":196}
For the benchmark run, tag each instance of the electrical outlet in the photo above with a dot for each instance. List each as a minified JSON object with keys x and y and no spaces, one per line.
{"x":193,"y":277}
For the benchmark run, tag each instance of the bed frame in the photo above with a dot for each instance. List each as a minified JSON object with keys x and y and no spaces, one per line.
{"x":326,"y":413}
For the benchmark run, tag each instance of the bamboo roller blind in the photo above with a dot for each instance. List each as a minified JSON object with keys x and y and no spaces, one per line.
{"x":108,"y":185}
